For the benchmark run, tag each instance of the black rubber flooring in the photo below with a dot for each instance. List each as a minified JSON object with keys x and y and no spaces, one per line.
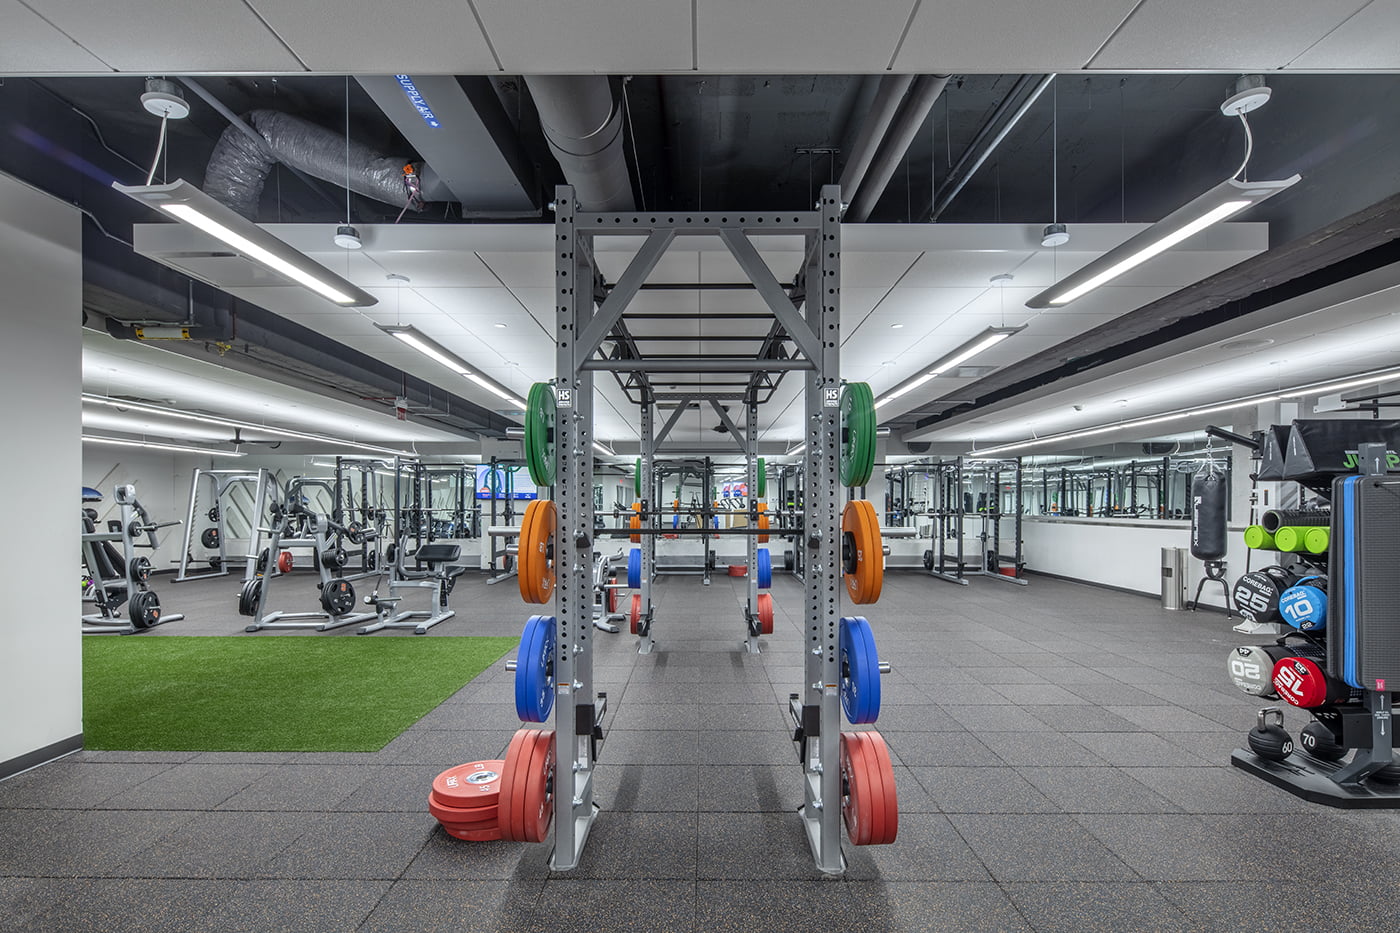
{"x":1061,"y":757}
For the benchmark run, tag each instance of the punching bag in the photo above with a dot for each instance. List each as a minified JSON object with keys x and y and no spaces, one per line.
{"x":1208,"y":497}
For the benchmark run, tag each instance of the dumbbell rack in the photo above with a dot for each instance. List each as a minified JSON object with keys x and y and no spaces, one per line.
{"x":1362,"y":723}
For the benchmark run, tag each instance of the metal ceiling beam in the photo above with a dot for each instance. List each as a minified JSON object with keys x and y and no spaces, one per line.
{"x":912,"y":114}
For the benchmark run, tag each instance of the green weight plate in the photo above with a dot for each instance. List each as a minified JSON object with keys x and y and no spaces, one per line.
{"x":762,"y":484}
{"x":637,"y":479}
{"x":539,"y":434}
{"x":857,"y":434}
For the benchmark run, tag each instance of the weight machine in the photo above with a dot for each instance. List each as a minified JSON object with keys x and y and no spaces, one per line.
{"x":122,"y":578}
{"x":224,"y":488}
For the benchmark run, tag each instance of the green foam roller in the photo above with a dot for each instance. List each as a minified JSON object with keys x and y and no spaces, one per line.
{"x":1290,"y":538}
{"x":1257,"y":538}
{"x":1316,"y":540}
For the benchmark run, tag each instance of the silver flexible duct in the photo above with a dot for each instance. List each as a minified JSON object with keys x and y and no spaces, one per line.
{"x":240,"y":163}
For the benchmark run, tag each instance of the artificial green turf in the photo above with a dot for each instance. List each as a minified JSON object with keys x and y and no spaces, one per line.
{"x":183,"y":693}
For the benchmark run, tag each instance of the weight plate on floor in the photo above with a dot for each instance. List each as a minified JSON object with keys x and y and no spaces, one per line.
{"x":764,"y":609}
{"x":534,"y":670}
{"x":248,"y":597}
{"x":539,"y":434}
{"x":473,"y":818}
{"x":285,"y":562}
{"x":466,"y":835}
{"x":860,"y":671}
{"x":762,"y":508}
{"x":141,"y":569}
{"x":857,"y":434}
{"x":469,"y":786}
{"x":634,"y":568}
{"x":863,"y":557}
{"x":210,"y":538}
{"x":144,"y":609}
{"x":636,"y":521}
{"x":634,"y":617}
{"x":536,"y":553}
{"x":765,"y":569}
{"x":337,"y":596}
{"x":789,"y":561}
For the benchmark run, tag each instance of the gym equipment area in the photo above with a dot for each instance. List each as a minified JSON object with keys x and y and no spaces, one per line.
{"x":791,"y":469}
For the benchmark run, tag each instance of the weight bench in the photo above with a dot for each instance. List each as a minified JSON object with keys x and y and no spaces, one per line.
{"x":442,"y":573}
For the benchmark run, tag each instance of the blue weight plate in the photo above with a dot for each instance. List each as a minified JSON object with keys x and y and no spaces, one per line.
{"x":871,"y":683}
{"x":634,"y":568}
{"x":855,"y":673}
{"x":765,"y":569}
{"x":534,"y":684}
{"x":1304,"y":608}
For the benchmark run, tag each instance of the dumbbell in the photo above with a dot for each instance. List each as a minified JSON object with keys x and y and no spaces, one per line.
{"x":1268,"y":739}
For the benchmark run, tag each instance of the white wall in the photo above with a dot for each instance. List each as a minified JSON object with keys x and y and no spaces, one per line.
{"x":159,"y":487}
{"x":41,"y":382}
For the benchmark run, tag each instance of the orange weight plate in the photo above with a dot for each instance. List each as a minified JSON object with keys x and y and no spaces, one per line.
{"x":517,"y":763}
{"x":862,"y":552}
{"x":539,"y":789}
{"x":536,"y":568}
{"x":765,"y":613}
{"x":474,"y":784}
{"x":636,"y":521}
{"x":522,"y":579}
{"x":635,"y":616}
{"x":762,"y":522}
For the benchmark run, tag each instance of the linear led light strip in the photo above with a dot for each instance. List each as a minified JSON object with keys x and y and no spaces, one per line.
{"x":186,"y":203}
{"x":120,"y":442}
{"x":230,"y":423}
{"x":1224,"y":200}
{"x":983,"y":341}
{"x":1315,"y":389}
{"x":440,"y":354}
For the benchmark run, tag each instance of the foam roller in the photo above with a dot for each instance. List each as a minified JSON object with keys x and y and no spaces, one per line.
{"x":1258,"y":539}
{"x":1274,"y":519}
{"x":1296,"y":540}
{"x":1317,"y":540}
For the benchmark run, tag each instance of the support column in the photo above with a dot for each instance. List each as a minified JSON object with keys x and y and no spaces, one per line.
{"x":575,"y":711}
{"x":651,"y":504}
{"x":751,"y":479}
{"x":821,"y":810}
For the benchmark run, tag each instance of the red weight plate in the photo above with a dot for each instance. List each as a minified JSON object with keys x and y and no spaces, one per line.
{"x":873,"y":790}
{"x":855,"y":804}
{"x":539,"y":789}
{"x":489,"y":822}
{"x":878,"y":762}
{"x":473,"y":784}
{"x":765,"y":613}
{"x":636,"y":614}
{"x":445,"y":814}
{"x":517,"y":761}
{"x":482,"y":835}
{"x":612,"y":595}
{"x":285,"y":562}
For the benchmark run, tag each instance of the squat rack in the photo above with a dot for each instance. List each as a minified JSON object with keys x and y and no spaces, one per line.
{"x":588,"y":313}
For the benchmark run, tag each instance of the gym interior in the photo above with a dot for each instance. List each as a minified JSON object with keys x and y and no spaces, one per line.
{"x":700,"y":466}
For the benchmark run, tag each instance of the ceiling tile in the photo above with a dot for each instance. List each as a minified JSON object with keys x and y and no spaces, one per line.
{"x":1366,"y":41}
{"x":1008,"y":38}
{"x":799,"y":36}
{"x":434,"y":268}
{"x":524,"y":269}
{"x":33,"y":47}
{"x":330,"y":36}
{"x":564,"y":37}
{"x":173,"y":36}
{"x":1245,"y":34}
{"x":963,"y":267}
{"x":872,"y":270}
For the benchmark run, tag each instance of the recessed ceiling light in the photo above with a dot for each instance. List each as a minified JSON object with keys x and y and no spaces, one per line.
{"x":887,"y":363}
{"x":500,"y":324}
{"x":896,"y":326}
{"x":1247,"y":343}
{"x":512,"y":363}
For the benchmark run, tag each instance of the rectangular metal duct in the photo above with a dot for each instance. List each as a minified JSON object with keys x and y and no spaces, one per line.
{"x":458,"y":127}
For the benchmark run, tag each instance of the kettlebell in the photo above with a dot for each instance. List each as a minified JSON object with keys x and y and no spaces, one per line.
{"x":1268,"y":739}
{"x":1319,"y":742}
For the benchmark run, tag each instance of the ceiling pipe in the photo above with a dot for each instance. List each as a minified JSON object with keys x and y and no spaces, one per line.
{"x":889,"y":94}
{"x":981,"y":150}
{"x":912,"y":113}
{"x":582,"y":122}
